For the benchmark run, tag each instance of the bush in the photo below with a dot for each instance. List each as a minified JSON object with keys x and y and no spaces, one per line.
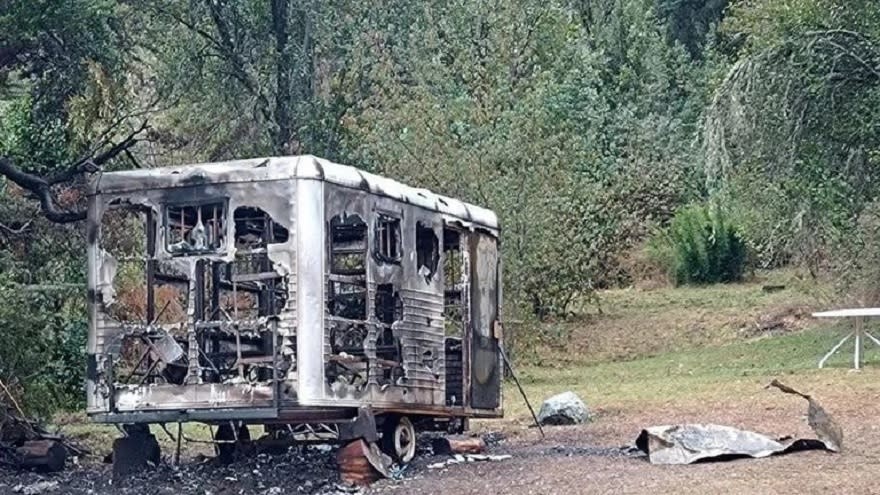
{"x":42,"y":348}
{"x":700,"y":246}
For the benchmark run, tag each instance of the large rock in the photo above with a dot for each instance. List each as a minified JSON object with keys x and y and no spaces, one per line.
{"x":563,"y":409}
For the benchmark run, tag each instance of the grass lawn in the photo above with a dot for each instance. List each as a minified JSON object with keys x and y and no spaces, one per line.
{"x":692,"y":375}
{"x":684,"y":346}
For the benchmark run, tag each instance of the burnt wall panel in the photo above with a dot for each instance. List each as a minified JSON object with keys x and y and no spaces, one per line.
{"x":402,"y":356}
{"x":195,"y":272}
{"x":485,"y":364}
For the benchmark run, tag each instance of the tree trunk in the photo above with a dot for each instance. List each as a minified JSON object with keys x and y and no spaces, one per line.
{"x":284,"y":65}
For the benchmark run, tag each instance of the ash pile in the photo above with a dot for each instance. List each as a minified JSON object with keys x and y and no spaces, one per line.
{"x":301,"y":469}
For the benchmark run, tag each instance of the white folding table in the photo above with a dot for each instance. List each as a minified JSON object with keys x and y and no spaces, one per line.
{"x":858,"y":333}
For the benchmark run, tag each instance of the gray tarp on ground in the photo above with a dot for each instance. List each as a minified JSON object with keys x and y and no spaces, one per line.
{"x":689,"y":443}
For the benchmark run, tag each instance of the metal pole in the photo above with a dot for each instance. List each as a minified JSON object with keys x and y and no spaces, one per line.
{"x":521,"y":391}
{"x":856,"y":354}
{"x":179,"y":437}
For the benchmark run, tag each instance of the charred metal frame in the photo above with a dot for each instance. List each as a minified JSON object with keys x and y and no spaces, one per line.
{"x":300,"y":290}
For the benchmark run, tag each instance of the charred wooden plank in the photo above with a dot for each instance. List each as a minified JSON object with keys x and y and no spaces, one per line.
{"x":47,"y":455}
{"x":458,"y":444}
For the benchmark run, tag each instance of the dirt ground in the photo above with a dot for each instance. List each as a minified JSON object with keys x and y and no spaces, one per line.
{"x":562,"y":463}
{"x":571,"y":459}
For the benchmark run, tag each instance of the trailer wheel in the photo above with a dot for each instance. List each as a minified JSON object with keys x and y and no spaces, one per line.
{"x":399,"y":438}
{"x":228,"y":446}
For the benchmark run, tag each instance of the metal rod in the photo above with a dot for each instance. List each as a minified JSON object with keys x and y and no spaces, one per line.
{"x":215,"y":231}
{"x":238,"y":351}
{"x":149,"y":371}
{"x":217,"y":370}
{"x":179,"y":438}
{"x":235,"y":299}
{"x":872,"y":338}
{"x":216,"y":447}
{"x":162,"y":312}
{"x":834,"y":349}
{"x":165,"y":429}
{"x":151,"y":266}
{"x":521,"y":391}
{"x":136,"y":366}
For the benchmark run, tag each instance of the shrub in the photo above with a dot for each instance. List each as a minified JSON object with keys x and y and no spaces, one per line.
{"x":700,"y":246}
{"x":42,"y":348}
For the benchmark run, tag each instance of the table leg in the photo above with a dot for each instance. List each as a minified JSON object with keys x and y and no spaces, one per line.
{"x":857,"y":354}
{"x":835,"y":348}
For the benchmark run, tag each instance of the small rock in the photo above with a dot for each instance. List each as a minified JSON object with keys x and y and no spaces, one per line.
{"x":563,"y":409}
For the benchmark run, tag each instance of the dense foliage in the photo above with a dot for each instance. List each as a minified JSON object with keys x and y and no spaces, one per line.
{"x":585,"y":124}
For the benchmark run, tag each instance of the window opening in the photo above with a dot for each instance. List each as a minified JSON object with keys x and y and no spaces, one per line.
{"x":427,"y":251}
{"x":347,"y":292}
{"x":254,"y":229}
{"x":389,"y":308}
{"x":348,"y":245}
{"x":453,"y":282}
{"x":146,"y":291}
{"x":453,"y":314}
{"x":348,"y":338}
{"x":195,"y":229}
{"x":148,"y":294}
{"x":348,"y":300}
{"x":124,"y":238}
{"x":387,"y":239}
{"x":259,"y":290}
{"x":388,"y":305}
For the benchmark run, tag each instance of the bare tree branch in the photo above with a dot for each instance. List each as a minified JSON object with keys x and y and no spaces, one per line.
{"x":42,"y":187}
{"x":15,"y":231}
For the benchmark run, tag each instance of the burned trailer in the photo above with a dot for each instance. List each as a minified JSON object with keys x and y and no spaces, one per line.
{"x":289,"y":292}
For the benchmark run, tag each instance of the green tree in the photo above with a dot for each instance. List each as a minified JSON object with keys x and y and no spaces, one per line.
{"x":258,"y":78}
{"x":67,"y":108}
{"x":789,"y":136}
{"x":574,"y":128}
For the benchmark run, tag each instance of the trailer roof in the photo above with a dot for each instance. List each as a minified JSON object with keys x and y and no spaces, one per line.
{"x":288,"y":167}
